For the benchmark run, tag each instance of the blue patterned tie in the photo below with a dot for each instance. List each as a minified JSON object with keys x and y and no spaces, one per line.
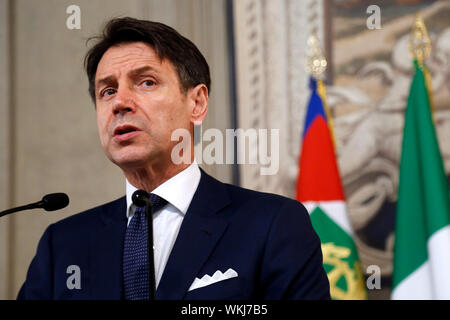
{"x":135,"y":261}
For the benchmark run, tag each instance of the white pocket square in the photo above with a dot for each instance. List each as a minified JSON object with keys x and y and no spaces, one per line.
{"x":207,"y":280}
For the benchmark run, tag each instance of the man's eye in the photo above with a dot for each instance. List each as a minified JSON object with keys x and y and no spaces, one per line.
{"x":148,"y":83}
{"x":108,"y":92}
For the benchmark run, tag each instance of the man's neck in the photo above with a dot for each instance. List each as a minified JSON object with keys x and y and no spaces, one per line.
{"x":149,"y":178}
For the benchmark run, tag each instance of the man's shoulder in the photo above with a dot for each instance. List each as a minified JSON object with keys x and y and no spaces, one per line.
{"x":243,"y":197}
{"x":267,"y":213}
{"x":109,"y":210}
{"x":258,"y":202}
{"x":243,"y":194}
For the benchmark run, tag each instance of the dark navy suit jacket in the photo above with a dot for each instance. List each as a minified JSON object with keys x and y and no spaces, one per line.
{"x":267,"y":239}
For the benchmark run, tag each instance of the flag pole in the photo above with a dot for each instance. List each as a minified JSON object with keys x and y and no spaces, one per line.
{"x":420,"y":50}
{"x":316,"y":65}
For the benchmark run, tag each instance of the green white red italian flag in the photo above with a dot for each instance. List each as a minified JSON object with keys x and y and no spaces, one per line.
{"x":422,"y":231}
{"x":319,"y":189}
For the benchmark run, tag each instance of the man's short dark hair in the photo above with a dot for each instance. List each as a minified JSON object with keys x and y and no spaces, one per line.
{"x":188,"y":61}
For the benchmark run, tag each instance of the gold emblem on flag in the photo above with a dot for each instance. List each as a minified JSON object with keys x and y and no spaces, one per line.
{"x":352,"y":275}
{"x":419,"y":42}
{"x":316,"y":64}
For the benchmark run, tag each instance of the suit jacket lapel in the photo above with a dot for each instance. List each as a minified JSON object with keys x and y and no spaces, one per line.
{"x":106,"y":247}
{"x":199,"y":232}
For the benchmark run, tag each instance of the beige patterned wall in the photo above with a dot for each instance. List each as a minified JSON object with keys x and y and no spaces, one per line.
{"x":4,"y":146}
{"x":272,"y":85}
{"x":54,"y":144}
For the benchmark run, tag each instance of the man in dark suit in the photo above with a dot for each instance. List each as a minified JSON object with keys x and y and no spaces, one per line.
{"x":211,"y":240}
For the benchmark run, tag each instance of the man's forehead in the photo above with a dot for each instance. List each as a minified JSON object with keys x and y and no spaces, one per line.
{"x":128,"y":57}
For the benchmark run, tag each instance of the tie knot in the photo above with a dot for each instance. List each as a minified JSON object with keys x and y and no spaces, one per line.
{"x":156,"y":203}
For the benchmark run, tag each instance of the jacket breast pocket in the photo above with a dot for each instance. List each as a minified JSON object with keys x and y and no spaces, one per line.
{"x":230,"y":289}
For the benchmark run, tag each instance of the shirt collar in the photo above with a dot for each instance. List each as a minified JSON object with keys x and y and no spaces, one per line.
{"x":178,"y":190}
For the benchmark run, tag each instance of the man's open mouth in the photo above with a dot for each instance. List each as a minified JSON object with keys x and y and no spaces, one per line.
{"x":124,"y":129}
{"x":125,"y":133}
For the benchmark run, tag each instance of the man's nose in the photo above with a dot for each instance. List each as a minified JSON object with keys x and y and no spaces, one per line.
{"x":123,"y":102}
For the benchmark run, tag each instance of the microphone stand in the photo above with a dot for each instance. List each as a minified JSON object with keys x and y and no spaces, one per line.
{"x":150,"y":251}
{"x":25,"y":207}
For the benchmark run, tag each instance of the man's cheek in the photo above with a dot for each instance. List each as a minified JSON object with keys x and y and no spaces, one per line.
{"x":102,"y":126}
{"x":103,"y":135}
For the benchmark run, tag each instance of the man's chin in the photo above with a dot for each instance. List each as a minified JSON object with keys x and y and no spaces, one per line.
{"x":127,"y":161}
{"x":134,"y":159}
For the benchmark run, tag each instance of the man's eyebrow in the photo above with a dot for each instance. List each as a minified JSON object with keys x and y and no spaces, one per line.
{"x":140,"y":70}
{"x":132,"y":73}
{"x":106,"y":80}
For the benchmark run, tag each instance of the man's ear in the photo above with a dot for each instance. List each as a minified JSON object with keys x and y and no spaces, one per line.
{"x":199,"y":98}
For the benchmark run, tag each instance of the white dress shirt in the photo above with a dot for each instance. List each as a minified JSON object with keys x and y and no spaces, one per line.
{"x":178,"y":191}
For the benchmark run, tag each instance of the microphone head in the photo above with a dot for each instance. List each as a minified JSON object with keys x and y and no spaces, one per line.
{"x":141,"y":198}
{"x":55,"y":201}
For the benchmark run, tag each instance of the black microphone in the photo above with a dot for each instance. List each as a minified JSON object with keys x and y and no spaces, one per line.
{"x":49,"y":202}
{"x":141,"y":199}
